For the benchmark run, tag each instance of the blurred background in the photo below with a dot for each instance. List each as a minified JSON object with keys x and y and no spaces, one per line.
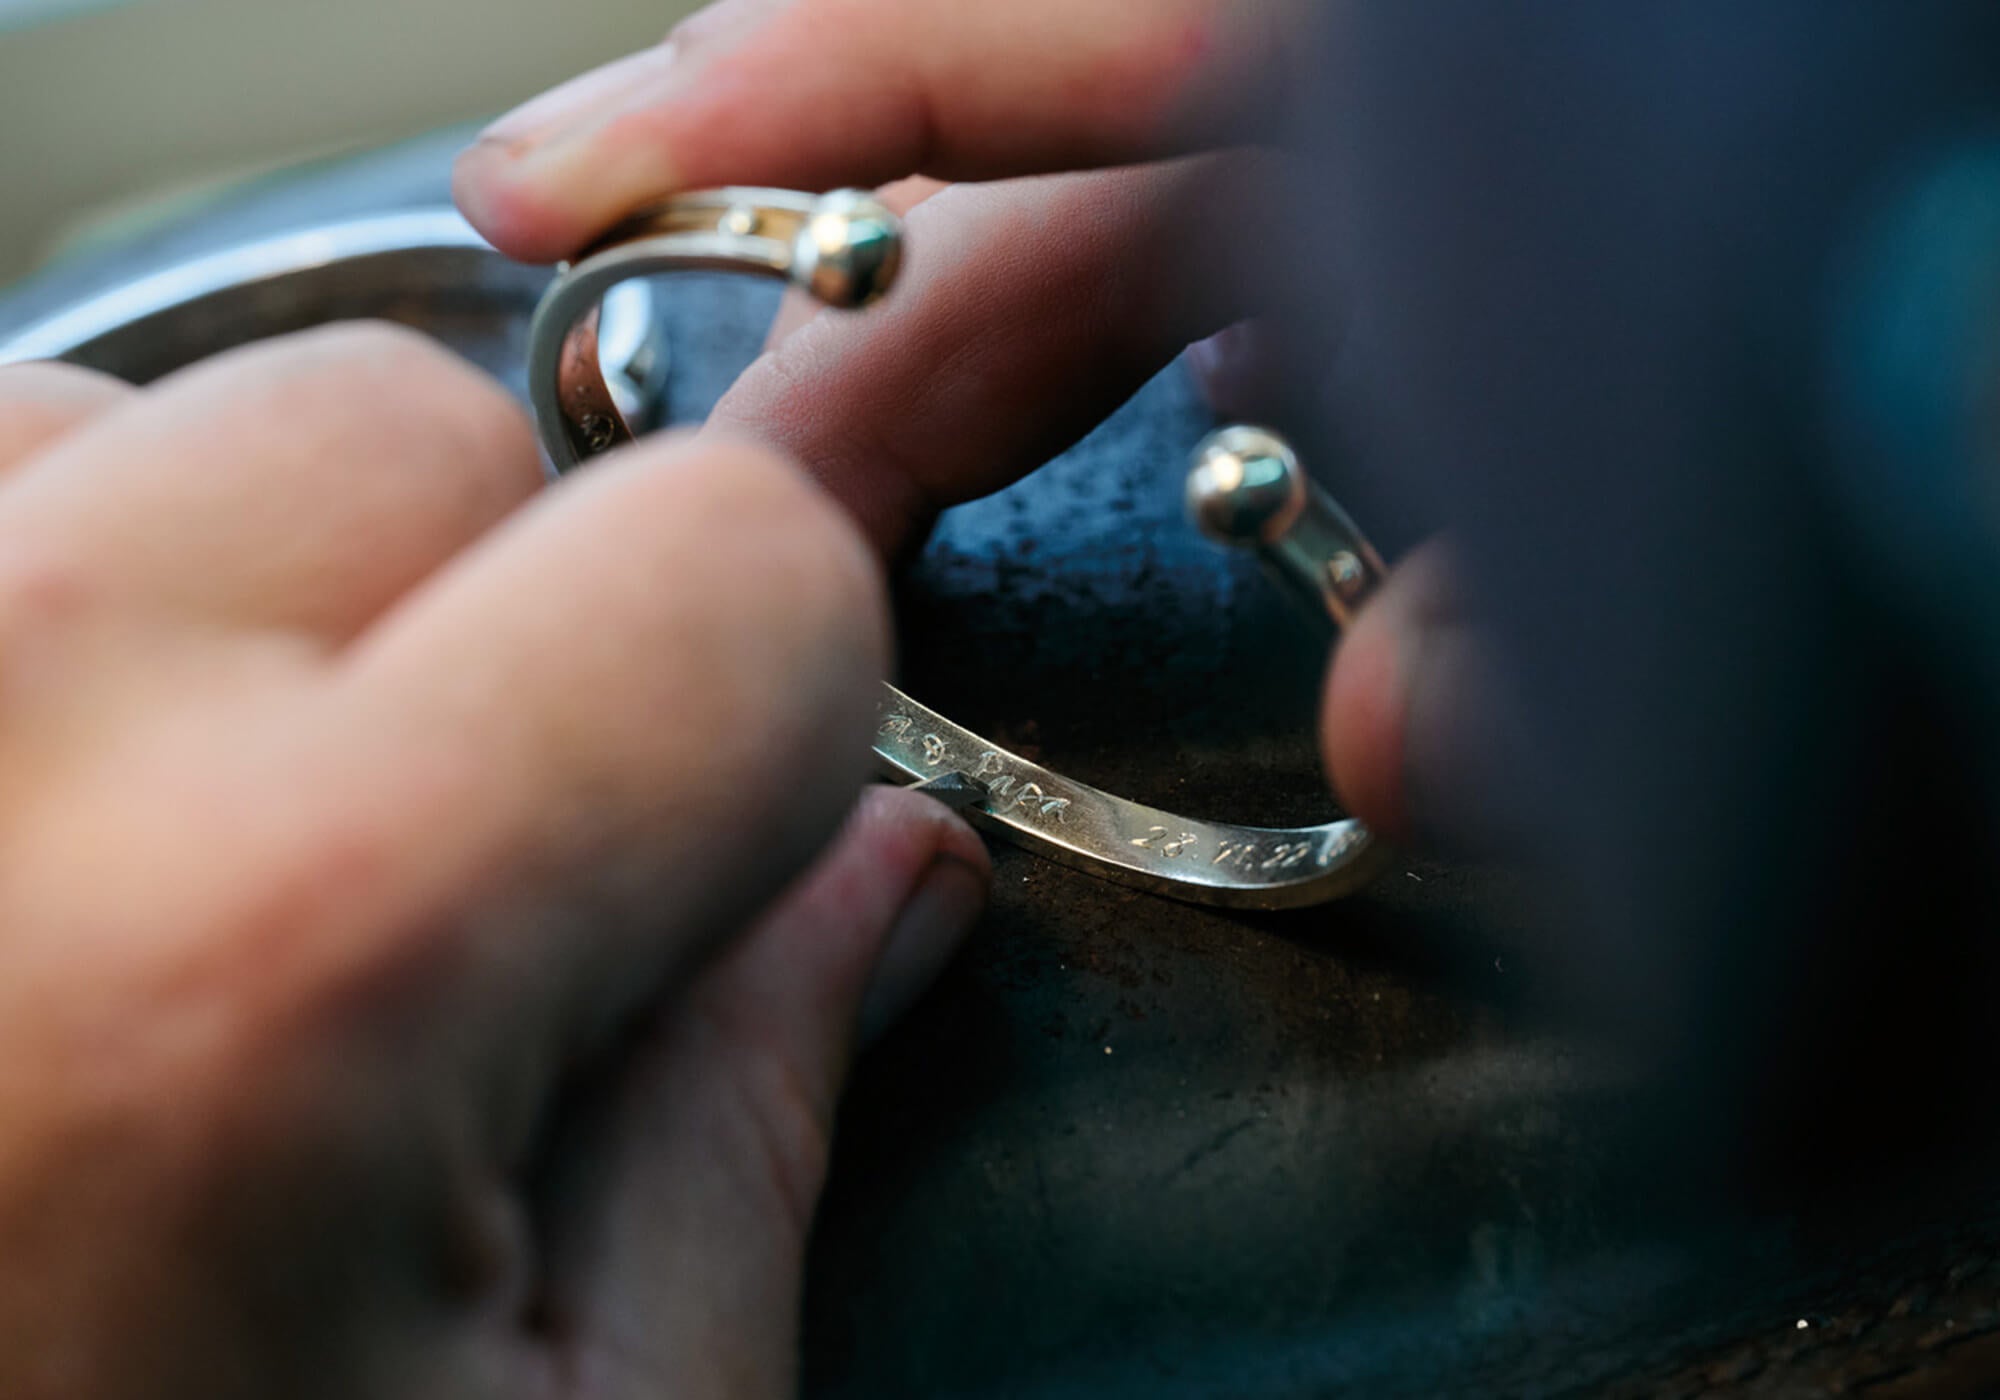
{"x":124,"y":112}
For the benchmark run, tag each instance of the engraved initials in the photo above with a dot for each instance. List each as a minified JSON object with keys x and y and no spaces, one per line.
{"x":1033,"y":799}
{"x":898,"y":725}
{"x":1008,"y":791}
{"x":933,"y":750}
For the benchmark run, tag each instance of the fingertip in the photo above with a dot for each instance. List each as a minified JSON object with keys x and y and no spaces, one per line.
{"x":44,"y":400}
{"x":1364,"y":723}
{"x":1419,"y":725}
{"x":947,"y":895}
{"x":1377,"y":701}
{"x":931,"y":826}
{"x":508,"y":211}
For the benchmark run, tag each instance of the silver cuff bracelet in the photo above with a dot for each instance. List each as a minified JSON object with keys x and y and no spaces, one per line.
{"x":1246,"y":489}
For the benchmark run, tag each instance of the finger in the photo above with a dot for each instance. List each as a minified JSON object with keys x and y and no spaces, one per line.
{"x":1416,"y":720}
{"x":1030,"y":309}
{"x":1241,"y":372}
{"x":685,"y":1263}
{"x":798,"y":307}
{"x":624,"y":720}
{"x":44,"y":401}
{"x":821,"y":93}
{"x":304,"y":484}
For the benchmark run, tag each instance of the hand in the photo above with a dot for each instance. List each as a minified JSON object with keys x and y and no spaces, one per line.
{"x":1050,"y":299}
{"x":1713,"y":472}
{"x":393,"y":997}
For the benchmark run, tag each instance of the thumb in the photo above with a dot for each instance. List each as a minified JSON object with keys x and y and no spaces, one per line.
{"x":679,"y":1270}
{"x":1417,"y":725}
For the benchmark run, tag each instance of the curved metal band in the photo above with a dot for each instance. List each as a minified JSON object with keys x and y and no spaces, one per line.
{"x":206,"y":299}
{"x":776,"y":233}
{"x":1217,"y":863}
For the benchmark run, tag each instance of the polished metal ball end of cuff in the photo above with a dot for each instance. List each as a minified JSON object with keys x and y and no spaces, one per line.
{"x":1247,"y":489}
{"x":850,"y":250}
{"x":1246,"y":486}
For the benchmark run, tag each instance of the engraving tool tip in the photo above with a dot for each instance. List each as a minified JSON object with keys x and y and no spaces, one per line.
{"x":957,"y":790}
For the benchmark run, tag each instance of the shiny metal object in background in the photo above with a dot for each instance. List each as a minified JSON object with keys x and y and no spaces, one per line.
{"x":380,"y":266}
{"x":1248,"y":490}
{"x":845,"y":248}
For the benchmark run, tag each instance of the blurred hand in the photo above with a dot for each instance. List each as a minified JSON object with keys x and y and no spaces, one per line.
{"x":1034,"y":304}
{"x":393,"y":1000}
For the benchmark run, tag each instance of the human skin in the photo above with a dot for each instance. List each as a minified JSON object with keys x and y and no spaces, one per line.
{"x":1646,"y":309}
{"x":1108,"y":239}
{"x":439,"y":912}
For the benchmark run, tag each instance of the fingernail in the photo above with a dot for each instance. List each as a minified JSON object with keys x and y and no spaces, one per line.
{"x":947,"y":902}
{"x":581,"y":101}
{"x":1217,"y":365}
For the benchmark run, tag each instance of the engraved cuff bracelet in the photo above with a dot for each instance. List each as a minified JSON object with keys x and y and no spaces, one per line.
{"x":1246,"y":489}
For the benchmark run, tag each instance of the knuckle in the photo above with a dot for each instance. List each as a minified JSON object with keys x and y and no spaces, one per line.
{"x":776,"y":1125}
{"x":57,"y":376}
{"x":790,"y":1136}
{"x":373,"y":348}
{"x":52,"y":386}
{"x":711,"y":22}
{"x":43,"y":400}
{"x":44,"y":594}
{"x":418,"y":386}
{"x":236,"y":1039}
{"x":821,"y":558}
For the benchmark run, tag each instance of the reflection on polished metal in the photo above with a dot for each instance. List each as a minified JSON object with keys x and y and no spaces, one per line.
{"x":845,"y":249}
{"x":1240,"y":867}
{"x":148,"y":327}
{"x":632,"y":346}
{"x":1247,"y":489}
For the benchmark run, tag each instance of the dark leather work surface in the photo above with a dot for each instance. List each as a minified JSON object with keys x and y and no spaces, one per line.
{"x":1131,"y":1147}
